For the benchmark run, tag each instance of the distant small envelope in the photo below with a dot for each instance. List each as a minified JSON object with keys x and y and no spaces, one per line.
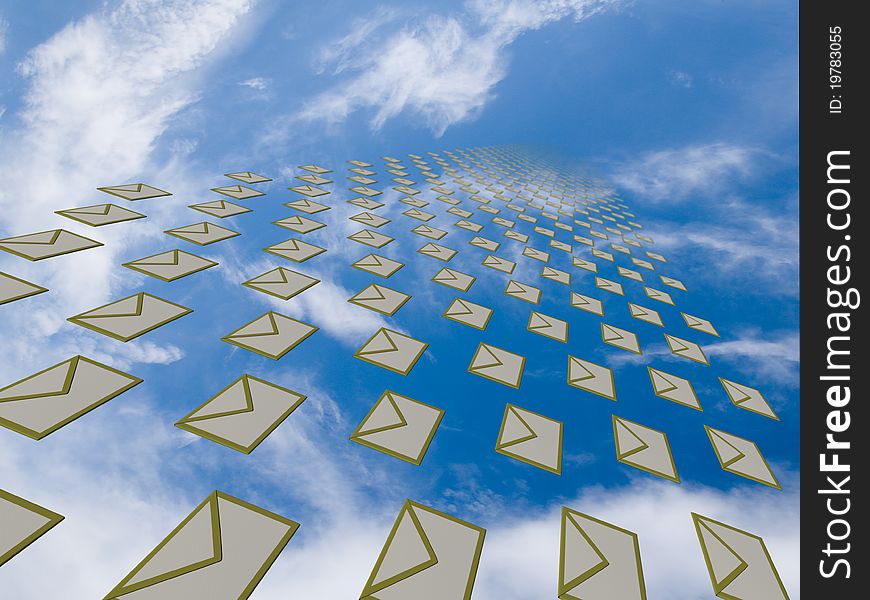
{"x":699,"y":324}
{"x":747,"y":398}
{"x":247,"y":177}
{"x":602,"y":254}
{"x":380,"y":299}
{"x":12,"y":288}
{"x":741,"y":456}
{"x":523,"y":291}
{"x":365,"y":191}
{"x":591,"y":377}
{"x":643,"y":263}
{"x":486,"y":244}
{"x":271,"y":335}
{"x":100,"y":214}
{"x":360,"y":163}
{"x":203,"y":233}
{"x":21,"y":523}
{"x":516,"y":236}
{"x":644,"y":448}
{"x":498,"y":365}
{"x":308,"y":190}
{"x":299,"y":224}
{"x":460,"y":212}
{"x":318,"y":170}
{"x":656,"y":256}
{"x":406,"y":190}
{"x":658,"y":295}
{"x":738,"y":562}
{"x":44,"y":402}
{"x":362,"y":179}
{"x":673,"y":388}
{"x":130,"y":317}
{"x":314,"y":179}
{"x":392,"y":350}
{"x":243,"y":414}
{"x":399,"y":426}
{"x":281,"y":283}
{"x":378,"y":265}
{"x":428,"y":555}
{"x":420,"y":215}
{"x":598,"y":560}
{"x":531,"y":438}
{"x":239,"y":192}
{"x":309,"y":207}
{"x":609,"y":286}
{"x":220,"y":551}
{"x":561,"y":246}
{"x":362,"y":171}
{"x":366,"y":203}
{"x":295,"y":250}
{"x":46,"y":244}
{"x":551,"y":327}
{"x":370,"y":219}
{"x":536,"y":254}
{"x":170,"y":265}
{"x":620,"y":338}
{"x":134,"y":191}
{"x":686,"y":349}
{"x":437,"y":251}
{"x":415,"y":202}
{"x":587,"y":303}
{"x":674,"y":283}
{"x":220,"y":208}
{"x":504,"y":223}
{"x":468,"y":313}
{"x":582,"y":263}
{"x":370,"y":238}
{"x":630,"y":274}
{"x":645,"y":314}
{"x":429,"y":232}
{"x":468,"y":225}
{"x":454,"y":279}
{"x":556,"y":275}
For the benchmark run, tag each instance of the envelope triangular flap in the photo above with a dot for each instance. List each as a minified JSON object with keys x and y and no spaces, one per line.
{"x":538,"y":320}
{"x":738,"y":393}
{"x":42,"y":237}
{"x":515,"y":428}
{"x":627,"y":439}
{"x":55,"y":380}
{"x":233,"y":398}
{"x":723,"y":562}
{"x":130,"y":306}
{"x":192,"y":545}
{"x":385,"y":414}
{"x":381,"y":342}
{"x":21,"y":522}
{"x":663,"y":382}
{"x":581,"y":558}
{"x":726,"y":446}
{"x":266,"y":324}
{"x":407,"y":552}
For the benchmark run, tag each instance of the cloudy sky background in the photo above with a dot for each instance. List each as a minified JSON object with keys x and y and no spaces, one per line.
{"x":688,"y":110}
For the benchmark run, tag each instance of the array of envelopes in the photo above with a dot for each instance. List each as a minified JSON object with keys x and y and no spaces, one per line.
{"x":226,"y":545}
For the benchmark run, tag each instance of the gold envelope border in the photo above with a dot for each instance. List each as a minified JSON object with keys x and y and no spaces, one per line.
{"x":556,"y":275}
{"x":366,"y":203}
{"x":133,"y":214}
{"x":441,"y":250}
{"x":659,"y":394}
{"x":277,"y":251}
{"x":643,"y":318}
{"x":365,"y":218}
{"x":566,"y":586}
{"x":367,"y":269}
{"x":77,"y":318}
{"x":38,"y":289}
{"x":638,"y":351}
{"x":669,"y":337}
{"x":186,"y":421}
{"x":722,"y":464}
{"x":546,"y":318}
{"x":109,"y":190}
{"x":719,"y":589}
{"x":409,"y":505}
{"x":609,"y":370}
{"x":484,"y":244}
{"x":500,"y":448}
{"x":119,"y":590}
{"x":775,"y":417}
{"x":271,"y":314}
{"x":53,"y":519}
{"x":713,"y":327}
{"x":594,"y":312}
{"x":183,"y":234}
{"x":94,"y":244}
{"x":201,"y":207}
{"x":522,"y":366}
{"x":250,"y":175}
{"x":621,"y":459}
{"x":208,"y":265}
{"x":254,"y":286}
{"x":354,"y":437}
{"x":38,"y":435}
{"x":609,"y":286}
{"x":524,"y":285}
{"x":315,"y":225}
{"x":501,"y":263}
{"x":319,"y":208}
{"x":375,"y":235}
{"x":243,"y":194}
{"x":462,"y":300}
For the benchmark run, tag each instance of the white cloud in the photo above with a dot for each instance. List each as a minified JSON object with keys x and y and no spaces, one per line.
{"x":772,"y":358}
{"x":259,"y":84}
{"x":440,"y":68}
{"x":680,"y":78}
{"x":680,"y":174}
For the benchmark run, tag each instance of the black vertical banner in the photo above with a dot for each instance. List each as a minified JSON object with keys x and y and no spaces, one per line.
{"x":834,"y":261}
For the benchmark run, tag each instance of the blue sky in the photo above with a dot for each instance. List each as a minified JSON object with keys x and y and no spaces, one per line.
{"x":688,"y":110}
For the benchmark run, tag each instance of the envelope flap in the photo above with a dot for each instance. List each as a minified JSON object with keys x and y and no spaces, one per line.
{"x":235,"y":399}
{"x":98,"y":209}
{"x":43,"y":237}
{"x":461,"y":307}
{"x":637,"y":311}
{"x":611,"y":333}
{"x":125,"y":307}
{"x":538,"y":321}
{"x":728,"y":453}
{"x":486,"y":358}
{"x":373,"y":292}
{"x":578,"y":371}
{"x":278,"y":275}
{"x":737,"y":392}
{"x":693,"y":321}
{"x":676,"y":344}
{"x":724,"y":563}
{"x":372,"y":260}
{"x":515,"y":429}
{"x":385,"y":415}
{"x":662,"y":382}
{"x":406,"y":553}
{"x":581,"y":557}
{"x":194,"y":544}
{"x":53,"y":381}
{"x":380,"y":343}
{"x":514,"y":287}
{"x":430,"y":248}
{"x":446,"y":275}
{"x":264,"y":325}
{"x":164,"y":258}
{"x":628,"y":441}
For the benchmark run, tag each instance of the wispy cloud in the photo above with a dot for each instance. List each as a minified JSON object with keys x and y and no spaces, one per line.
{"x":679,"y":174}
{"x":441,"y":68}
{"x":680,"y":78}
{"x":256,"y":83}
